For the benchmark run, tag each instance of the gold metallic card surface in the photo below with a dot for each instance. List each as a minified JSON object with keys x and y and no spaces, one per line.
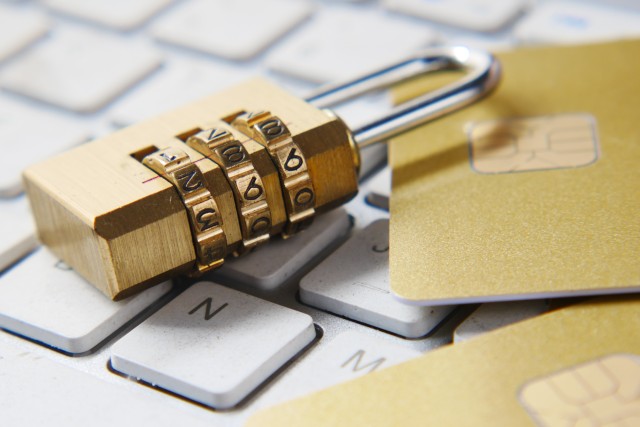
{"x":578,"y":366}
{"x":532,"y":193}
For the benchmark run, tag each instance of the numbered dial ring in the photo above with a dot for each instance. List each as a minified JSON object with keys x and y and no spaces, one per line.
{"x":299,"y":194}
{"x":204,"y":218}
{"x":220,"y":145}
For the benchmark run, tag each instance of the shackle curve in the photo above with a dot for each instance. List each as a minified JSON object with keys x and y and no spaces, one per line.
{"x":482,"y":75}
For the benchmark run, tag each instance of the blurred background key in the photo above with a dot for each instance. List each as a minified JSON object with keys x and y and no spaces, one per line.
{"x":577,"y":22}
{"x":177,"y":83}
{"x":19,"y":29}
{"x":17,"y":232}
{"x":31,"y":135}
{"x":478,"y":15}
{"x":333,"y":37}
{"x":118,"y":14}
{"x":79,"y":70}
{"x":235,"y":30}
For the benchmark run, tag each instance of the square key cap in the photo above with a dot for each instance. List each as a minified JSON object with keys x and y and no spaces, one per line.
{"x":31,"y":135}
{"x":17,"y":234}
{"x":231,"y":29}
{"x":475,"y":15}
{"x":18,"y":29}
{"x":347,"y":356}
{"x":118,"y":14}
{"x":213,"y":344}
{"x":344,"y":42}
{"x":278,"y":261}
{"x":176,"y":83}
{"x":79,"y":70}
{"x":43,"y":299}
{"x":354,"y":282}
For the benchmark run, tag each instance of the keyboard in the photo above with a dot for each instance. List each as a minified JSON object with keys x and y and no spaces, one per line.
{"x":293,"y":317}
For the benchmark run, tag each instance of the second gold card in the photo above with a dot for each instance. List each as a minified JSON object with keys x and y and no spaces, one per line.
{"x":576,"y":367}
{"x":533,"y":192}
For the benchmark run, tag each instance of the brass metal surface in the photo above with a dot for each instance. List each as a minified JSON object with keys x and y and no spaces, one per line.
{"x":220,"y":145}
{"x":490,"y":381}
{"x":297,"y":186}
{"x":123,"y":227}
{"x":204,"y":218}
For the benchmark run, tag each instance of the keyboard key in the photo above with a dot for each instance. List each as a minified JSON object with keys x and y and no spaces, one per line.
{"x":380,"y":182}
{"x":371,"y":158}
{"x":37,"y":391}
{"x":495,"y":315}
{"x":236,"y":30}
{"x":213,"y":344}
{"x":348,"y":356}
{"x":632,"y":4}
{"x":177,"y":83}
{"x":573,"y":22}
{"x":80,"y":70}
{"x":342,"y":43}
{"x":279,"y":260}
{"x":477,"y":15}
{"x":31,"y":135}
{"x":18,"y":29}
{"x":354,"y":282}
{"x":490,"y":42}
{"x":359,"y":112}
{"x":118,"y":14}
{"x":363,"y":214}
{"x":378,"y":200}
{"x":17,"y":234}
{"x":363,"y":210}
{"x":378,"y":189}
{"x":43,"y":299}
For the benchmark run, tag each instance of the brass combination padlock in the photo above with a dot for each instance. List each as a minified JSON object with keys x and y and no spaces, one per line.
{"x":180,"y":192}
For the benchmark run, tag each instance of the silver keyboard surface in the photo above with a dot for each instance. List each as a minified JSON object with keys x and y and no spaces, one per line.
{"x":293,"y":317}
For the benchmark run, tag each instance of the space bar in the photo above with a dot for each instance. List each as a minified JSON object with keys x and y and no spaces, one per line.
{"x":73,"y":396}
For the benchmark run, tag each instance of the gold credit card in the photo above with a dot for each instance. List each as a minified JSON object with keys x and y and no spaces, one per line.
{"x":578,"y":366}
{"x":533,"y":192}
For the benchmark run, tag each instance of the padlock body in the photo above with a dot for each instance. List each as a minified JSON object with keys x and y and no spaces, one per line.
{"x":123,"y":227}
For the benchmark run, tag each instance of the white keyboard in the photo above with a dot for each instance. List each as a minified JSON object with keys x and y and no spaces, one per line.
{"x":293,"y":317}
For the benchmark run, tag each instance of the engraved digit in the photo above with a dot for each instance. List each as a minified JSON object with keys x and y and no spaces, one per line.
{"x":217,"y":133}
{"x":303,"y":197}
{"x":259,"y":225}
{"x":254,"y":114}
{"x":293,"y":161}
{"x":206,"y":222}
{"x":272,"y":128}
{"x":190,"y":183}
{"x":233,"y":153}
{"x":253,"y":190}
{"x":168,"y":157}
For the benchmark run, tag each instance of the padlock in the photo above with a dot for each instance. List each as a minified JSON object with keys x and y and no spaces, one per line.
{"x":178,"y":193}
